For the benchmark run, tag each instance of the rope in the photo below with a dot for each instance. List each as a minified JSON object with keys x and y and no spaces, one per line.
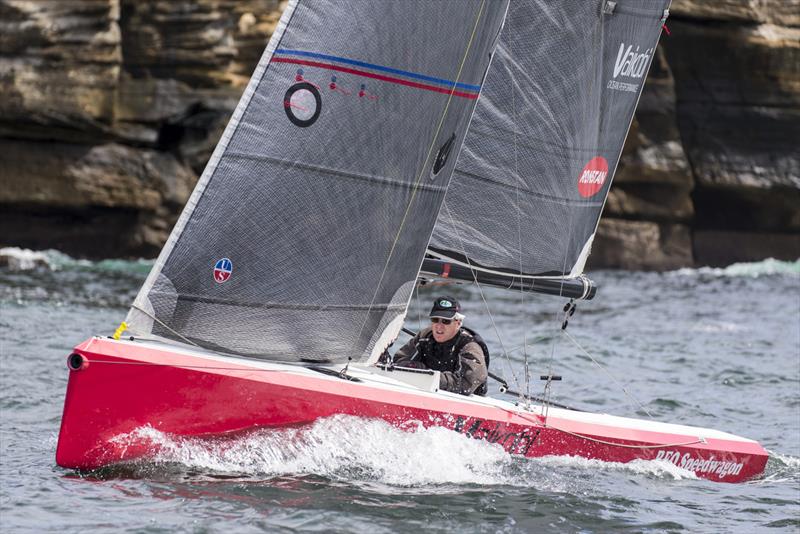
{"x":593,"y":89}
{"x":419,"y":177}
{"x":519,"y":237}
{"x":536,"y":340}
{"x":586,"y":353}
{"x":156,"y":319}
{"x":483,"y":297}
{"x":604,"y":442}
{"x":419,"y":309}
{"x":148,"y":364}
{"x":623,"y":445}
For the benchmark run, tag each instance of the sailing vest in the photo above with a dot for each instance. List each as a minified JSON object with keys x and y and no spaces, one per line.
{"x":445,"y":356}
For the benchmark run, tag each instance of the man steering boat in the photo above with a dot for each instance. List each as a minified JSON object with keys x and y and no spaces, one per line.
{"x":458,"y":353}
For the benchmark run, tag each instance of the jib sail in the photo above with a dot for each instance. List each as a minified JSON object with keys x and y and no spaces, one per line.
{"x":536,"y":167}
{"x":303,"y":237}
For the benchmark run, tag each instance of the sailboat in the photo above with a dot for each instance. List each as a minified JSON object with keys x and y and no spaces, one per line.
{"x":376,"y":144}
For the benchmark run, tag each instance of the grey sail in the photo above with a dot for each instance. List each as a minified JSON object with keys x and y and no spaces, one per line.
{"x":304,"y":235}
{"x":536,"y":167}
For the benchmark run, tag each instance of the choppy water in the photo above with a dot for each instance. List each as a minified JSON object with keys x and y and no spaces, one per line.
{"x":708,"y":347}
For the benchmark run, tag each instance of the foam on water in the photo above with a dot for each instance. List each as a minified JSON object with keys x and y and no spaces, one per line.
{"x":23,"y":259}
{"x":338,"y":447}
{"x":51,"y":277}
{"x":20,"y":259}
{"x":348,"y":448}
{"x":673,"y":337}
{"x":781,"y":468}
{"x":655,"y":468}
{"x":768,"y":267}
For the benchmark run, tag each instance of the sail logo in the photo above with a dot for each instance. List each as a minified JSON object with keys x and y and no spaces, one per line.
{"x":223,"y":270}
{"x":593,"y":176}
{"x":630,"y":62}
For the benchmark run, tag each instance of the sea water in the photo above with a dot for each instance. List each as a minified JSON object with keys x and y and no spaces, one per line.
{"x":716,"y":348}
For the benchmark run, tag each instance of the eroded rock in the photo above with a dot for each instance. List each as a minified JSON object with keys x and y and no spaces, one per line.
{"x":641,"y":245}
{"x":110,"y":109}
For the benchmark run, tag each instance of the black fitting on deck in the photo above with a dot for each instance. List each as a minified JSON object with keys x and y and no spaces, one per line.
{"x":77,"y":362}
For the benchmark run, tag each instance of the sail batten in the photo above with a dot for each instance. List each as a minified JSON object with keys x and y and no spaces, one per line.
{"x":336,"y":172}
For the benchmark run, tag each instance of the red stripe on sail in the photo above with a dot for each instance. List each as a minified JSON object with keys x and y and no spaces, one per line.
{"x":375,"y":76}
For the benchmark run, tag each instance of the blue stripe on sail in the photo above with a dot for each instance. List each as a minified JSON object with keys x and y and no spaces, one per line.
{"x":441,"y":81}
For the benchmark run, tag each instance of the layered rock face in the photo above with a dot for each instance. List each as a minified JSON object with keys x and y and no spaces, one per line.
{"x":711,"y":170}
{"x":110,"y":109}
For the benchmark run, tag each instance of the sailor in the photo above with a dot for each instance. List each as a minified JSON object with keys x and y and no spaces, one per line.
{"x":446,"y":346}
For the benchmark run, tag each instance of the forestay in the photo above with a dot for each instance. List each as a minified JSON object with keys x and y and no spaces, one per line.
{"x":546,"y":137}
{"x":303,"y":237}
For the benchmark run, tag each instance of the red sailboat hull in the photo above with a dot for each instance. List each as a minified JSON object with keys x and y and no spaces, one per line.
{"x":122,"y":386}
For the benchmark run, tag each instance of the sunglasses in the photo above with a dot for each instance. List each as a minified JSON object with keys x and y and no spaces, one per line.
{"x":445,"y":322}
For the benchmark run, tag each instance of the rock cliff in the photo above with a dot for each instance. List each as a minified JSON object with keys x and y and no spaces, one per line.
{"x":710,"y":174}
{"x":110,"y":109}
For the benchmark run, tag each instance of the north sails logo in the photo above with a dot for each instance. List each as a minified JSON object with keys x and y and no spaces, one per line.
{"x":630,"y":62}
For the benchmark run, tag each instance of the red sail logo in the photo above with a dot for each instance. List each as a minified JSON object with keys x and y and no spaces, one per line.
{"x":593,"y":176}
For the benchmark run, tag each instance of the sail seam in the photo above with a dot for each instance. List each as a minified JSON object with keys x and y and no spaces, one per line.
{"x":543,"y":142}
{"x":281,"y":305}
{"x":337,"y":172}
{"x":541,"y":196}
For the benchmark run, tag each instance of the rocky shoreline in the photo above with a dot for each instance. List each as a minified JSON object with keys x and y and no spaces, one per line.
{"x":110,"y":109}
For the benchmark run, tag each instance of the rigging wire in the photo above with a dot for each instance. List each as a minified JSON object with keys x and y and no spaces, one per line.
{"x":519,"y":234}
{"x":483,"y":297}
{"x":594,"y":90}
{"x":548,"y":382}
{"x":156,"y":319}
{"x":435,"y":136}
{"x":419,"y":308}
{"x":617,"y":382}
{"x":544,"y":425}
{"x":179,"y":366}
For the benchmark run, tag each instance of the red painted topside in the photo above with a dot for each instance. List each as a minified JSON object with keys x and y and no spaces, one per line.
{"x":125,"y":385}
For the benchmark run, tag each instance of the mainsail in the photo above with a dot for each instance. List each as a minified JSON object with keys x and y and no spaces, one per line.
{"x":546,"y":137}
{"x":304,"y":235}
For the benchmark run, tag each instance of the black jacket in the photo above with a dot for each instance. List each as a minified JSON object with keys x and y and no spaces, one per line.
{"x":460,"y":361}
